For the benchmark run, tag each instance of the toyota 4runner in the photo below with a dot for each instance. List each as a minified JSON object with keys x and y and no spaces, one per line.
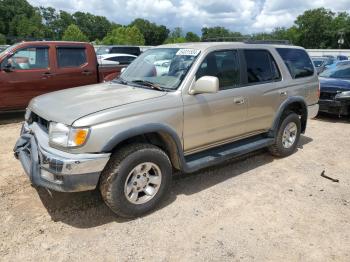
{"x":176,"y":107}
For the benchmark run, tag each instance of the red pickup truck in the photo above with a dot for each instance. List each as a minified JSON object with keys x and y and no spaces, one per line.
{"x":29,"y":69}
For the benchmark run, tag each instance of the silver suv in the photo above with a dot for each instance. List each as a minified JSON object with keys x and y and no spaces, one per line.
{"x":176,"y":107}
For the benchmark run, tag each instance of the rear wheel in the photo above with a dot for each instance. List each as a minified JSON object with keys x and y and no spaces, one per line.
{"x":288,"y":136}
{"x":136,"y":179}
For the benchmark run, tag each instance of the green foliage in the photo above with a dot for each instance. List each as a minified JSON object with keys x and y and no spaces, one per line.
{"x":95,"y":27}
{"x":124,"y":35}
{"x":315,"y":27}
{"x":176,"y":36}
{"x":73,"y":33}
{"x":2,"y":39}
{"x":153,"y":34}
{"x":192,"y":37}
{"x":218,"y":33}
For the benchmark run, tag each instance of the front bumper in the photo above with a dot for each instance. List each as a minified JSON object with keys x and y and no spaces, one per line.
{"x":55,"y":169}
{"x":336,"y":107}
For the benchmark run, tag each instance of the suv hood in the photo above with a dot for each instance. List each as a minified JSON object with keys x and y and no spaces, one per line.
{"x":68,"y":105}
{"x":334,"y":84}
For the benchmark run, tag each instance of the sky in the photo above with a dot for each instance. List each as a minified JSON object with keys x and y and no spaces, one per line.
{"x":245,"y":16}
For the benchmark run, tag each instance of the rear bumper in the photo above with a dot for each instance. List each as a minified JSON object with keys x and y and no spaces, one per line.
{"x":312,"y":111}
{"x":337,"y":107}
{"x":55,"y":169}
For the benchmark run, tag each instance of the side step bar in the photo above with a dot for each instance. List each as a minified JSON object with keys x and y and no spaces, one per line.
{"x":222,"y":153}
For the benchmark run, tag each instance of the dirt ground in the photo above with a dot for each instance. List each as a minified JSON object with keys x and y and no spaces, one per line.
{"x":255,"y":209}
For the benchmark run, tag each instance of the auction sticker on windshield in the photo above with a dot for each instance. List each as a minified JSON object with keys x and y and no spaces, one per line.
{"x":189,"y":52}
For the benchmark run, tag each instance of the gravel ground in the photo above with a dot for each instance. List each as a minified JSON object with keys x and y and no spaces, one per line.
{"x":255,"y":209}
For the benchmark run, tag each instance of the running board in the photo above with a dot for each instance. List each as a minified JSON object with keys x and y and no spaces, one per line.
{"x":222,"y":153}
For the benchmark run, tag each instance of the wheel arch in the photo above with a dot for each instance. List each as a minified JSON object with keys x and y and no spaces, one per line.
{"x":160,"y":135}
{"x":295,"y":104}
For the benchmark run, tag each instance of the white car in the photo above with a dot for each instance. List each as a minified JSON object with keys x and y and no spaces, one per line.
{"x":115,"y":59}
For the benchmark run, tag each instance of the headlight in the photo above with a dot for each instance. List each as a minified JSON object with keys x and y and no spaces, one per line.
{"x":67,"y":136}
{"x":343,"y":96}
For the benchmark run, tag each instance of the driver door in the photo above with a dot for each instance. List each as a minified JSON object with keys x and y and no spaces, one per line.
{"x":214,"y":119}
{"x":28,"y":77}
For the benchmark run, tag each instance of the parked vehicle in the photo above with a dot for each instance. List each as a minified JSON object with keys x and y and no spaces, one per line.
{"x":29,"y":69}
{"x":115,"y":59}
{"x":338,"y":63}
{"x":119,"y":49}
{"x":126,"y":137}
{"x":342,"y":57}
{"x":322,"y":62}
{"x":335,"y":90}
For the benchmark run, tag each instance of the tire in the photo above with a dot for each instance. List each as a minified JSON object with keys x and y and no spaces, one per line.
{"x":117,"y":178}
{"x":279,"y":148}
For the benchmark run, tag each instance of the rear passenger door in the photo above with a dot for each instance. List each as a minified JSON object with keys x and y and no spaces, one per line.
{"x":73,"y":68}
{"x":213,"y":119}
{"x":262,"y":81}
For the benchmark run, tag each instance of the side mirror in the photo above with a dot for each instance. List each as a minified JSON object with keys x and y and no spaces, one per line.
{"x":7,"y":68}
{"x":205,"y":85}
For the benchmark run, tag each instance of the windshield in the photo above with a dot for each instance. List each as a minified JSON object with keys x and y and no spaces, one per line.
{"x":103,"y":50}
{"x":337,"y":72}
{"x":7,"y":50}
{"x":161,"y":67}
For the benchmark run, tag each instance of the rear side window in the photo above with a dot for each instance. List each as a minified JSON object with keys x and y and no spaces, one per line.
{"x":261,"y":67}
{"x":130,"y":50}
{"x":71,"y":56}
{"x":297,"y":61}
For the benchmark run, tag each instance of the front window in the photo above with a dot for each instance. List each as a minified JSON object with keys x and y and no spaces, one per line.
{"x":160,"y":67}
{"x":337,"y":72}
{"x":29,"y":58}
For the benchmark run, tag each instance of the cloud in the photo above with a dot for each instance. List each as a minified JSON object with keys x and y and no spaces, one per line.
{"x":246,"y":16}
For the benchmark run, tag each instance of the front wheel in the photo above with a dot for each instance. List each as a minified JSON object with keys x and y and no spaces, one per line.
{"x":136,"y":179}
{"x":287,"y":137}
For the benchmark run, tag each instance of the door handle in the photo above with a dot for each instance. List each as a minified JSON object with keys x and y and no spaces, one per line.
{"x":239,"y":100}
{"x":47,"y":75}
{"x":283,"y":93}
{"x":86,"y":72}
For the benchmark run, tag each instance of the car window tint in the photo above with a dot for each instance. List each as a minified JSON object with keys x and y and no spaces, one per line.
{"x":297,"y":61}
{"x":261,"y":67}
{"x":342,"y":72}
{"x":224,"y":65}
{"x":125,"y":50}
{"x":30,"y":58}
{"x":71,"y":56}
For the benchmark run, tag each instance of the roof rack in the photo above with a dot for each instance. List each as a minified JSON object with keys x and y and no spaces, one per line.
{"x":246,"y":39}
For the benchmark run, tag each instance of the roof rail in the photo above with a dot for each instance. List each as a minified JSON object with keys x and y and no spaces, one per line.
{"x":272,"y":42}
{"x":245,"y":39}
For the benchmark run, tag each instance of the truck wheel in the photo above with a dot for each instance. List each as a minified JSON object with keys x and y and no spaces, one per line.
{"x":287,"y":137}
{"x":136,"y":179}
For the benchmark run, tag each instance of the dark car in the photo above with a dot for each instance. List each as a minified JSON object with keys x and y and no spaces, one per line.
{"x":119,"y":49}
{"x":335,"y":90}
{"x":342,"y":57}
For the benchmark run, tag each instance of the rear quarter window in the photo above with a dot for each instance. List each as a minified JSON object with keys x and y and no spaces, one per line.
{"x":71,"y":56}
{"x":297,"y":61}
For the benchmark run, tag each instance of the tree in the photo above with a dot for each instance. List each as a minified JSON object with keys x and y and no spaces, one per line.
{"x":153,"y":34}
{"x":315,"y":28}
{"x":73,"y":33}
{"x":192,"y":37}
{"x":94,"y":27}
{"x":2,"y":39}
{"x":176,"y":36}
{"x":27,"y":28}
{"x":218,"y":33}
{"x":124,"y":35}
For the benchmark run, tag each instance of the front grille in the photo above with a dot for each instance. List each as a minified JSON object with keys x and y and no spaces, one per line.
{"x":327,"y":95}
{"x":34,"y":118}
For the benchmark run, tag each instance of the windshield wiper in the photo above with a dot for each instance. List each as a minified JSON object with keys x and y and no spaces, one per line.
{"x":120,"y":81}
{"x":149,"y":84}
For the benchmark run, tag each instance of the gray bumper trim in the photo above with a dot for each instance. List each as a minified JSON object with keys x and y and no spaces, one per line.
{"x":55,"y":169}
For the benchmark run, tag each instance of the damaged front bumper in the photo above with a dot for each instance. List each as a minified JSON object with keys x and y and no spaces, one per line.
{"x":55,"y":169}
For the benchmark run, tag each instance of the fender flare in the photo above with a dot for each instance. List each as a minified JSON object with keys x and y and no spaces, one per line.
{"x":150,"y":128}
{"x":294,"y":99}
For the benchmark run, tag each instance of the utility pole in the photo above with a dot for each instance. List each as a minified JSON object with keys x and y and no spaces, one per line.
{"x":341,"y":39}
